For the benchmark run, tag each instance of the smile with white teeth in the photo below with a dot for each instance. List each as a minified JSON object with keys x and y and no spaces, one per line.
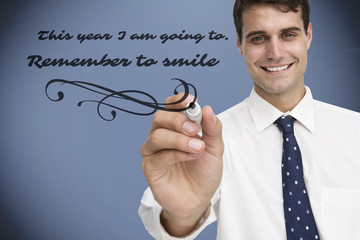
{"x":276,"y":69}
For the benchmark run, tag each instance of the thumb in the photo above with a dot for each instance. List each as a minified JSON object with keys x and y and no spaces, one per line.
{"x":211,"y":129}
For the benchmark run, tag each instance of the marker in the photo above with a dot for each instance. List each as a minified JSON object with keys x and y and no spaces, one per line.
{"x":194,"y":114}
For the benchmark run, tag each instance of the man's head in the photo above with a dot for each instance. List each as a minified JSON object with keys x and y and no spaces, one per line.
{"x":281,"y":5}
{"x":274,"y":41}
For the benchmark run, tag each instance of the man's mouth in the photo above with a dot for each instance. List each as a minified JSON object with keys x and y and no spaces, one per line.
{"x":277,"y":69}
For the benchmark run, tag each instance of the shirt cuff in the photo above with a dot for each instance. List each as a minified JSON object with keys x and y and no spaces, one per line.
{"x":150,"y":211}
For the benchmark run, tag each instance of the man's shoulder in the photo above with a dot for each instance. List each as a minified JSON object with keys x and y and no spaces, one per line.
{"x":238,"y":110}
{"x":342,"y":121}
{"x":330,"y":110}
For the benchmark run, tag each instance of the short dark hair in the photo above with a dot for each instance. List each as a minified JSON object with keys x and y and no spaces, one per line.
{"x":281,"y":5}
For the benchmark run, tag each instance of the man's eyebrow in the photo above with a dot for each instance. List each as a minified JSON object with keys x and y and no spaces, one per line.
{"x":253,"y":33}
{"x":290,"y":29}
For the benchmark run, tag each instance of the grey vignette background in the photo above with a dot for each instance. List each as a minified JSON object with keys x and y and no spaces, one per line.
{"x":67,"y":174}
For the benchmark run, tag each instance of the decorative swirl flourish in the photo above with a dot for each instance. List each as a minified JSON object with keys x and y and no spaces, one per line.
{"x":153,"y":104}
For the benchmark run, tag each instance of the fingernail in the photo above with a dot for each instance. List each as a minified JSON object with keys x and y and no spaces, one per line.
{"x":189,"y":127}
{"x":196,"y":144}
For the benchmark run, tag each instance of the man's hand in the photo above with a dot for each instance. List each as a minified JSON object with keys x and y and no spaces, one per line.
{"x":182,"y":170}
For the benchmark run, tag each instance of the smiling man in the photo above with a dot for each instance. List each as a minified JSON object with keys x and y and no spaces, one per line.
{"x":279,"y":165}
{"x":274,"y":45}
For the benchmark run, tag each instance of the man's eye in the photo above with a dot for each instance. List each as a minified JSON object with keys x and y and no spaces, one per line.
{"x":258,"y":39}
{"x":288,"y":35}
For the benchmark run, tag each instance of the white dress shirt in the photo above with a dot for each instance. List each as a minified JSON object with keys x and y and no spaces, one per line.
{"x":249,"y":203}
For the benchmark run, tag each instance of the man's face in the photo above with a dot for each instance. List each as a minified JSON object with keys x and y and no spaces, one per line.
{"x":274,"y":45}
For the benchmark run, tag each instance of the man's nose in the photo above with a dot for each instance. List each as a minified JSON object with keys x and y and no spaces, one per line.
{"x":274,"y":49}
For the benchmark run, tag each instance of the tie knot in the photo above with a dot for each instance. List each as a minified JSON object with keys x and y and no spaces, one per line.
{"x":285,"y":124}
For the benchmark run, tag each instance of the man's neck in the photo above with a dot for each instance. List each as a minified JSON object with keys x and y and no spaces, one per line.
{"x":284,"y":101}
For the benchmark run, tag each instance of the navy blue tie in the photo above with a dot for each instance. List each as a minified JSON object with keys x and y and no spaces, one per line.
{"x":299,"y":220}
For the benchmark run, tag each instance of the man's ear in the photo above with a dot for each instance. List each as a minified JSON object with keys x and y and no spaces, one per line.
{"x":238,"y":44}
{"x":309,"y":36}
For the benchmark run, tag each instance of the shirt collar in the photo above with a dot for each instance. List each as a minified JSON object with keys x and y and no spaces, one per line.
{"x":264,"y":114}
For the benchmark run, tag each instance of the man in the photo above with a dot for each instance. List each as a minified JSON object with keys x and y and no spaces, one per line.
{"x":235,"y":172}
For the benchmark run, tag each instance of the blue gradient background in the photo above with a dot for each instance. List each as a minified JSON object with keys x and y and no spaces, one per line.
{"x":67,"y":174}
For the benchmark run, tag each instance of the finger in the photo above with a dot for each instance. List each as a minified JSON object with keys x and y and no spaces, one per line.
{"x":175,"y":98}
{"x":177,"y":122}
{"x":174,"y":120}
{"x":166,"y":158}
{"x":162,"y":139}
{"x":212,"y":128}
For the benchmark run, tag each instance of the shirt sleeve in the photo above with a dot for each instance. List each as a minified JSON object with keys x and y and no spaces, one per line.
{"x":150,"y":210}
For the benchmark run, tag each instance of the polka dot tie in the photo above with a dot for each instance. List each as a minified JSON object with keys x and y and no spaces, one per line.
{"x":299,"y":220}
